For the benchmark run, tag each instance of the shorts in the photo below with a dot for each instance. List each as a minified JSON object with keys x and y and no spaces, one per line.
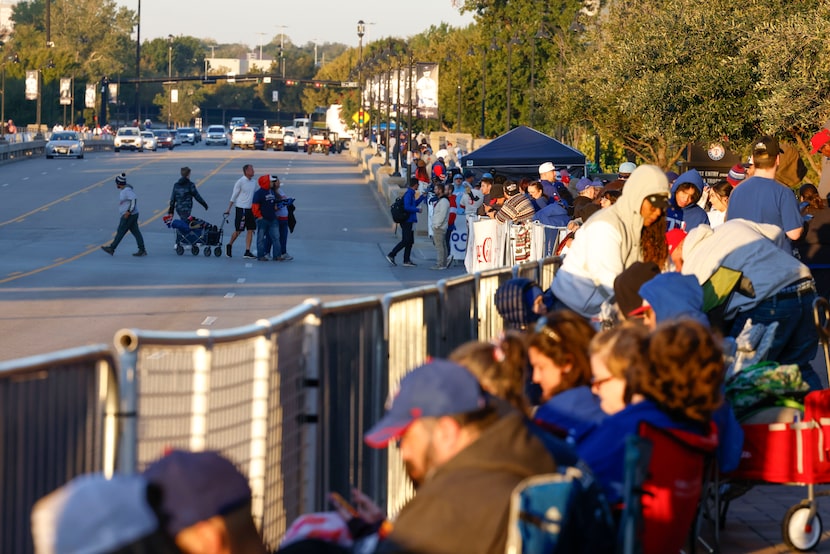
{"x":245,"y":220}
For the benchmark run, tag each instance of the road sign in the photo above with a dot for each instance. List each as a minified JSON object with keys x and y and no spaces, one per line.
{"x":275,"y":96}
{"x":348,"y":84}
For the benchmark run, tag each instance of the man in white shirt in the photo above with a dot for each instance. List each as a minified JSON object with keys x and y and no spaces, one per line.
{"x":242,"y":196}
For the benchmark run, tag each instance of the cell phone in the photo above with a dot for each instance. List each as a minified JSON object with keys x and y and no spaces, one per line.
{"x":336,"y":500}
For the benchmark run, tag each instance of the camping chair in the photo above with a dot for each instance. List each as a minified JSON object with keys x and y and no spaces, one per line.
{"x":664,"y":480}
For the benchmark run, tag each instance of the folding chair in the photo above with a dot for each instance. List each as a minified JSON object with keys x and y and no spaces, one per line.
{"x":665,"y":471}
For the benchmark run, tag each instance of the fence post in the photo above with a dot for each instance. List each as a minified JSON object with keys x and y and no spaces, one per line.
{"x":126,"y":343}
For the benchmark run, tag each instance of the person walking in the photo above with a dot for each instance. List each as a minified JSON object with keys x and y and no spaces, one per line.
{"x":242,"y":196}
{"x":183,"y":195}
{"x":264,"y":207}
{"x":282,"y":220}
{"x":128,"y":212}
{"x":410,"y":204}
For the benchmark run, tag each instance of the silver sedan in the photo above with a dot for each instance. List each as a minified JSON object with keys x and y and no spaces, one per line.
{"x":65,"y":144}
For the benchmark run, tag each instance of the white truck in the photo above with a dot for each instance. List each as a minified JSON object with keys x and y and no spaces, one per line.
{"x":303,"y":127}
{"x":274,"y":138}
{"x":335,"y":124}
{"x":243,"y":137}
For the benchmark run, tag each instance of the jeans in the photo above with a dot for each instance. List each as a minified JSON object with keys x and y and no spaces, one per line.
{"x":439,"y":237}
{"x":796,"y":339}
{"x":407,"y":240}
{"x":282,"y":225}
{"x":128,"y":224}
{"x":265,"y":230}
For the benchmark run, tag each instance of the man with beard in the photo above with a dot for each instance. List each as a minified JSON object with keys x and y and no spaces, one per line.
{"x":465,"y":452}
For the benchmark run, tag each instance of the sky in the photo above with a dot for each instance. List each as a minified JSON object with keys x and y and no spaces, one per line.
{"x":253,"y":22}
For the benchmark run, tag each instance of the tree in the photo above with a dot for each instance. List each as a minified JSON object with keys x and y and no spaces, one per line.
{"x":658,"y":75}
{"x":181,"y":113}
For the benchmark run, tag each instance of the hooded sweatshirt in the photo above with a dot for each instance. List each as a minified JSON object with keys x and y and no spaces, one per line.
{"x":759,"y":250}
{"x":675,"y":296}
{"x":607,"y":244}
{"x":264,"y":203}
{"x":691,"y":216}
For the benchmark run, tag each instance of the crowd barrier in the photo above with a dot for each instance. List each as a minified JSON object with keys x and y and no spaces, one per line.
{"x":287,"y":399}
{"x":57,"y":420}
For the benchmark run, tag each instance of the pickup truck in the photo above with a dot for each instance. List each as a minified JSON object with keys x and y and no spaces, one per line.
{"x":243,"y":137}
{"x":319,"y":142}
{"x":274,"y":138}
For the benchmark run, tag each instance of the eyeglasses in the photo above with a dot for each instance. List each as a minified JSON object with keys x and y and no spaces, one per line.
{"x":542,"y":327}
{"x":597,"y":383}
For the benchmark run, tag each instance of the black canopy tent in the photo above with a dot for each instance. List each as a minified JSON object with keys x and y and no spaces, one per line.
{"x":519,"y":153}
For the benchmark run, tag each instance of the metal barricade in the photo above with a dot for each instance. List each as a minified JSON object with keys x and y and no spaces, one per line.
{"x":57,"y":421}
{"x":240,"y":392}
{"x":490,"y":323}
{"x":459,"y":314}
{"x":353,"y":384}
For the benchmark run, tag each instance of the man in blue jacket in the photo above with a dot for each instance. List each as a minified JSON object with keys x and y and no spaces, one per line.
{"x":410,"y":204}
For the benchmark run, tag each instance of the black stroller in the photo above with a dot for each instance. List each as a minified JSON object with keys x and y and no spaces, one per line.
{"x":195,"y":233}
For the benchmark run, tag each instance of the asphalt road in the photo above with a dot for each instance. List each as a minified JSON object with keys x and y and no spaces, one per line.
{"x":59,"y":290}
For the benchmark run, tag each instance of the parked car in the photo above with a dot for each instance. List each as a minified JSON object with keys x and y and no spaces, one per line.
{"x":216,"y":134}
{"x":64,"y":144}
{"x":289,"y":140}
{"x":128,"y":138}
{"x":177,"y":139}
{"x":164,"y":138}
{"x":243,"y":137}
{"x":187,"y":135}
{"x":148,"y":140}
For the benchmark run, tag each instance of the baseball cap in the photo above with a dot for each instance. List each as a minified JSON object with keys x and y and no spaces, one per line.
{"x":93,"y":514}
{"x":674,"y":237}
{"x":197,"y":486}
{"x":628,"y":283}
{"x":585,"y":182}
{"x":736,"y":174}
{"x":435,"y":389}
{"x":545,"y":167}
{"x":511,"y":189}
{"x":627,"y":168}
{"x":659,"y":200}
{"x":819,"y":139}
{"x":457,"y":176}
{"x":121,"y":179}
{"x":487,"y":176}
{"x":764,"y":148}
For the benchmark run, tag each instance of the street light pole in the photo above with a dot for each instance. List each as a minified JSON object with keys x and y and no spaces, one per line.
{"x":137,"y":67}
{"x":282,"y":51}
{"x":169,"y":77}
{"x":510,"y":44}
{"x":397,"y":172}
{"x":361,"y":30}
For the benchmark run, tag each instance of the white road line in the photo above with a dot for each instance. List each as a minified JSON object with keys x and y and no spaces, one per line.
{"x":230,"y":294}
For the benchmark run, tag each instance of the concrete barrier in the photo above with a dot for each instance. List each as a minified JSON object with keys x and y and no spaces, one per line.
{"x":15,"y":151}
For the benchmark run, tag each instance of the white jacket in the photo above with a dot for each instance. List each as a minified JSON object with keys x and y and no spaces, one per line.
{"x":441,"y":214}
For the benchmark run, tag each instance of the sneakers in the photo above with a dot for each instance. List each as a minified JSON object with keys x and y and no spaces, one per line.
{"x":140,"y":253}
{"x":228,"y":250}
{"x":285,"y":258}
{"x":449,"y":262}
{"x":409,"y":264}
{"x":441,"y":267}
{"x":390,"y":259}
{"x":108,"y":249}
{"x":264,"y":259}
{"x":248,"y":256}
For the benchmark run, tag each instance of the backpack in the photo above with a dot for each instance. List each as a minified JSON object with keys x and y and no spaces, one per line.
{"x":399,"y":213}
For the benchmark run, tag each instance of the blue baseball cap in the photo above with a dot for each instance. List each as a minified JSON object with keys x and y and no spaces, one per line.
{"x":487,"y":176}
{"x":435,"y":389}
{"x":197,"y":486}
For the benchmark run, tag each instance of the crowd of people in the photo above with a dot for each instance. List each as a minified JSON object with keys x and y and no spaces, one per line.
{"x":662,"y":270}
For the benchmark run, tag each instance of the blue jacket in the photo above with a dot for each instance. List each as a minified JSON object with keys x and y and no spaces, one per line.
{"x":411,"y":205}
{"x":604,"y":448}
{"x":576,"y":411}
{"x":692,"y":215}
{"x":554,"y":214}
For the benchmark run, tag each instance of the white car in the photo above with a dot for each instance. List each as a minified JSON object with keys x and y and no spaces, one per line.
{"x":128,"y":138}
{"x":243,"y":137}
{"x":216,"y":135}
{"x":148,"y":140}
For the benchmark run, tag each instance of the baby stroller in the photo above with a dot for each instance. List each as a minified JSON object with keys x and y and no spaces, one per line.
{"x":195,"y":233}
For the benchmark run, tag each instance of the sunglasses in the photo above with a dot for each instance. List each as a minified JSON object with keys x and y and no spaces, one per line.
{"x":597,"y":383}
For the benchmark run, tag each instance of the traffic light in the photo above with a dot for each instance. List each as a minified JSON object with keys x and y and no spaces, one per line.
{"x":289,"y":82}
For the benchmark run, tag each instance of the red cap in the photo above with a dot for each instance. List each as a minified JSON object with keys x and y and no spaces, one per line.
{"x":820,"y":139}
{"x":674,"y":237}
